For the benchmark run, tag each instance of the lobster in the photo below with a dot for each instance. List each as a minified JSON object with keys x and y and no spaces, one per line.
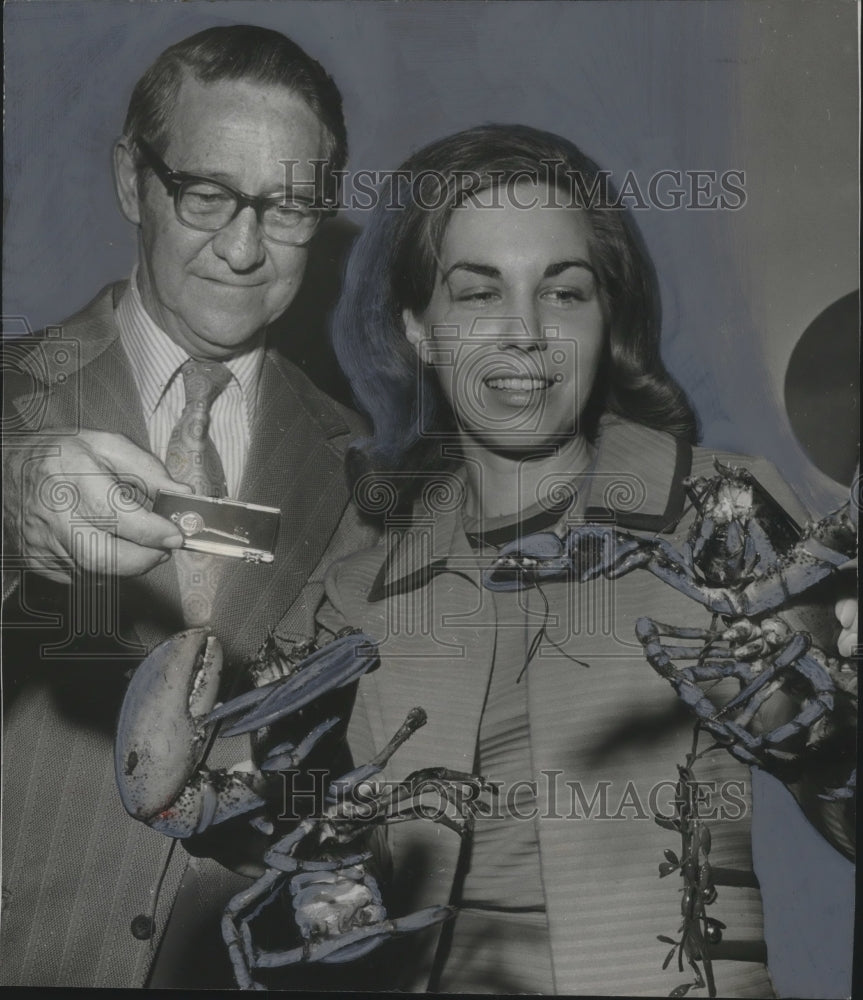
{"x":747,"y":561}
{"x":167,"y":723}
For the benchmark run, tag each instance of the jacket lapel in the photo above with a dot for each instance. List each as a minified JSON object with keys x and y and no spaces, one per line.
{"x":437,"y":655}
{"x":293,"y":465}
{"x":552,"y":683}
{"x":107,"y":397}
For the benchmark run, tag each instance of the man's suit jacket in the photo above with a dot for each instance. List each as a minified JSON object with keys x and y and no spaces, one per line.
{"x":77,"y":871}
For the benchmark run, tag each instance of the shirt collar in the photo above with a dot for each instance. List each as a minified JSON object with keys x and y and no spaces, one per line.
{"x":636,"y":481}
{"x":246,"y":369}
{"x":155,"y":358}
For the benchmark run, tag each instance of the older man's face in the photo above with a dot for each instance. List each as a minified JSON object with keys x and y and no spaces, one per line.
{"x":213,"y":293}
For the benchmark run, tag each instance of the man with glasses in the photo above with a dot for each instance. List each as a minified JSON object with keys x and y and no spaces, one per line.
{"x":226,"y":167}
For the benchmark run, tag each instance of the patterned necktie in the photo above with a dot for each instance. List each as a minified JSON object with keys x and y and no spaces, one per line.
{"x":192,"y":458}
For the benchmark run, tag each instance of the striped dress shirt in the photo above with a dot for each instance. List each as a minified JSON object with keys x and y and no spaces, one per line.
{"x":155,"y":361}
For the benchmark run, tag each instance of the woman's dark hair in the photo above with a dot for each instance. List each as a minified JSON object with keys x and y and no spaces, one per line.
{"x":238,"y":52}
{"x":393,"y":266}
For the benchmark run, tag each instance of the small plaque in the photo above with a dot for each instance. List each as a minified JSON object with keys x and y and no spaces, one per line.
{"x":222,"y":527}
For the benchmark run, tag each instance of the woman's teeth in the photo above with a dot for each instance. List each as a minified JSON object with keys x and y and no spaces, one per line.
{"x":518,"y":384}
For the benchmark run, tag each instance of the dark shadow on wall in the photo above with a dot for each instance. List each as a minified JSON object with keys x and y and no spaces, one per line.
{"x":822,"y":389}
{"x":302,"y":334}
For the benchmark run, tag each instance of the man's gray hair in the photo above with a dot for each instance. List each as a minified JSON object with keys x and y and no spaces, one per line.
{"x":238,"y":52}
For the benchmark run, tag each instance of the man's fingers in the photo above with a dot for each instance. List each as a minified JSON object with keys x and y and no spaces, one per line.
{"x":95,"y":497}
{"x":119,"y":512}
{"x":133,"y":464}
{"x":150,"y":530}
{"x":110,"y":508}
{"x":155,"y":477}
{"x":117,"y":508}
{"x":133,"y":560}
{"x":85,"y":505}
{"x":108,"y":554}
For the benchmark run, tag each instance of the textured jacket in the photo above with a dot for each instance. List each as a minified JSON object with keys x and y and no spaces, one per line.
{"x":81,"y":899}
{"x":614,"y":729}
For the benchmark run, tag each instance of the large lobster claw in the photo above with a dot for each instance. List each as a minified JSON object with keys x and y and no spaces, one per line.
{"x":162,"y":738}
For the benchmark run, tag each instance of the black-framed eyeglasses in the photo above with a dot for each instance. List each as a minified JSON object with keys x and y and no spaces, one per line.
{"x":207,"y":205}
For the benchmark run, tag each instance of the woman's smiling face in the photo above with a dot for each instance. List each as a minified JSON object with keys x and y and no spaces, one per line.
{"x":514,"y":327}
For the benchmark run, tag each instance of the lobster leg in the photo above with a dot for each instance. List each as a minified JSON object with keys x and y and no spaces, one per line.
{"x":661,"y":656}
{"x":756,"y":687}
{"x":287,"y":756}
{"x":354,"y":944}
{"x":235,"y":925}
{"x":343,"y":786}
{"x":455,"y":789}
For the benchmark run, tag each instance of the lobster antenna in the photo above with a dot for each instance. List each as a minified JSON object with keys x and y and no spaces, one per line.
{"x":543,"y":633}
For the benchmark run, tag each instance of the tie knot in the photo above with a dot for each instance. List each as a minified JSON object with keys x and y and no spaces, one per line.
{"x":203,"y":381}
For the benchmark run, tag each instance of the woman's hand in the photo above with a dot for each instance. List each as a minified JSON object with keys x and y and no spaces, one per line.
{"x":846,"y":612}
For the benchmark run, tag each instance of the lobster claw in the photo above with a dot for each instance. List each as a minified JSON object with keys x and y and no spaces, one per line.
{"x":524,"y":561}
{"x":335,"y":665}
{"x":162,"y":737}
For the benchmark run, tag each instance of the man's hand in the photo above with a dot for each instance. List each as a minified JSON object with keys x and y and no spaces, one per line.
{"x":99,"y":481}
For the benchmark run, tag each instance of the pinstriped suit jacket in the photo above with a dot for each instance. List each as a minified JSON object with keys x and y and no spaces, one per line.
{"x":76,"y":869}
{"x":618,"y":722}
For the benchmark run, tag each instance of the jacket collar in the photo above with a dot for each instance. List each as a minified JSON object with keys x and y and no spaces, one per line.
{"x":93,"y":328}
{"x":637,"y":479}
{"x":418,"y":551}
{"x":636,"y":482}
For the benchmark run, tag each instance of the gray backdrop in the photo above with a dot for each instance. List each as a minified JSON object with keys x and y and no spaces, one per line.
{"x":765,"y":87}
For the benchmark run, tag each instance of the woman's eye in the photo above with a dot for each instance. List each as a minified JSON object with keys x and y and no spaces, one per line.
{"x":477,"y":296}
{"x":566,"y":296}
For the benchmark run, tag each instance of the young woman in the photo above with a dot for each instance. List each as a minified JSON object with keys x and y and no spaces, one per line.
{"x":500,"y":326}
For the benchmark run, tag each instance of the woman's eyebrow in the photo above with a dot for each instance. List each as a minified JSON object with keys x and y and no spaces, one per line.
{"x":553,"y":270}
{"x":486,"y":270}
